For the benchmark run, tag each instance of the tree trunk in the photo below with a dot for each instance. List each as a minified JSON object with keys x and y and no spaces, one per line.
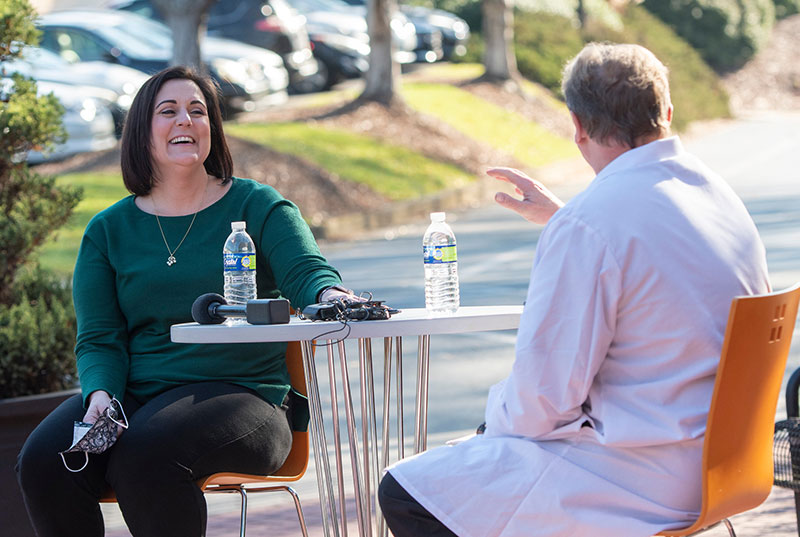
{"x":186,"y":19}
{"x":498,"y":28}
{"x":383,"y":74}
{"x":580,"y":12}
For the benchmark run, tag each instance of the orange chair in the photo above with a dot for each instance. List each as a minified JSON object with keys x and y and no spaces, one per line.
{"x":292,"y":470}
{"x":737,"y":452}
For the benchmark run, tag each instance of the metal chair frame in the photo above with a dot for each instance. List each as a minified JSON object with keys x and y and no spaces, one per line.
{"x":787,"y":438}
{"x":292,"y":469}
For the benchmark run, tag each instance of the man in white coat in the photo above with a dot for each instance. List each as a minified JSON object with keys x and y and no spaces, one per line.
{"x":598,"y":429}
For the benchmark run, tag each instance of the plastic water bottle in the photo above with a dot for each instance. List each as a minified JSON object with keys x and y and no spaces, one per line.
{"x":441,"y":267}
{"x":239,"y":260}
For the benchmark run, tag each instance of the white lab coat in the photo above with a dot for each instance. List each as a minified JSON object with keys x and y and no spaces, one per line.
{"x":598,"y":429}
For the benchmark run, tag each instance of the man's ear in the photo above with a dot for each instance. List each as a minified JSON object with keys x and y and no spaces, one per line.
{"x":580,"y":133}
{"x":669,"y":114}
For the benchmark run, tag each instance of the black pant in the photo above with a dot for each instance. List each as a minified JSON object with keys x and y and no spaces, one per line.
{"x":404,"y":515}
{"x":182,"y":435}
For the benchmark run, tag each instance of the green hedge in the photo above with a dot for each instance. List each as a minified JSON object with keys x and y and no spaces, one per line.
{"x":695,"y":89}
{"x":784,"y":8}
{"x":543,"y":43}
{"x":37,"y":335}
{"x":727,"y":33}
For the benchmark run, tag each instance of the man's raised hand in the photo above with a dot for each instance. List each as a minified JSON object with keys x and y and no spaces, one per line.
{"x":537,"y":205}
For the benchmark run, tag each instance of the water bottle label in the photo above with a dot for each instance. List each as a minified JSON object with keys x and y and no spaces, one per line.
{"x":439,"y":254}
{"x":239,"y":262}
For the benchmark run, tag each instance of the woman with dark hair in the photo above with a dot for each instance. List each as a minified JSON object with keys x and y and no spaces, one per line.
{"x":192,"y":410}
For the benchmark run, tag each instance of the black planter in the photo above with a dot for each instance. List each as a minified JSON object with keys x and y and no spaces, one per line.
{"x":18,"y":417}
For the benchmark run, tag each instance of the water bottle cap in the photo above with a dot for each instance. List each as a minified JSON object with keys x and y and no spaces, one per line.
{"x":238,"y":226}
{"x":437,"y":217}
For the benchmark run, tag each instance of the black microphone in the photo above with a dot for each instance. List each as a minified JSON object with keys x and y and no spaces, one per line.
{"x":212,"y":308}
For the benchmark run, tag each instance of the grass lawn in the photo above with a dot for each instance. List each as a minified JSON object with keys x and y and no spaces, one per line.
{"x":99,"y":191}
{"x":529,"y":142}
{"x":396,"y":172}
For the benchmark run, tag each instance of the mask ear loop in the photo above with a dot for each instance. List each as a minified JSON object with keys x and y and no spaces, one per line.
{"x":85,"y":464}
{"x":113,"y":407}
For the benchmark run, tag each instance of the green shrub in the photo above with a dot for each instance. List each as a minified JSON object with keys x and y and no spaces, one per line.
{"x":37,"y":327}
{"x":784,"y":8}
{"x":543,"y":43}
{"x":727,"y":33}
{"x":469,"y":10}
{"x":37,"y":335}
{"x":696,"y":90}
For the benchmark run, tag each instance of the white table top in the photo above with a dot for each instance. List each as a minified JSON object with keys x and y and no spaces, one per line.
{"x":411,"y":321}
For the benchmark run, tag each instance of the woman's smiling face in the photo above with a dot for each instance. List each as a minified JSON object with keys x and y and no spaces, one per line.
{"x":180,"y":130}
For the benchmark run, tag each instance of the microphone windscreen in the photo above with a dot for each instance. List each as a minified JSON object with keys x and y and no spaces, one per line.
{"x":201,"y":309}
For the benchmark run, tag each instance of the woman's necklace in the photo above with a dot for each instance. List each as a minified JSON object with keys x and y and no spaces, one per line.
{"x":171,"y":259}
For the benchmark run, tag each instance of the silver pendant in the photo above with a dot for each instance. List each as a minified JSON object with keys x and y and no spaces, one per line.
{"x":171,"y":260}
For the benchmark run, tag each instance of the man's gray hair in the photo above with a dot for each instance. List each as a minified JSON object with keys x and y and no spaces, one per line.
{"x":618,"y":92}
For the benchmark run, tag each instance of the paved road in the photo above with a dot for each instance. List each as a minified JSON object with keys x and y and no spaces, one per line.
{"x":758,"y":155}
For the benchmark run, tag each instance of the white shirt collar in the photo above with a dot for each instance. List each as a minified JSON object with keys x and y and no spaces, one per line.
{"x":662,"y":149}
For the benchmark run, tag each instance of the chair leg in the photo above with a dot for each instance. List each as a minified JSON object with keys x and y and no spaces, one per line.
{"x":724,"y":521}
{"x":243,"y":494}
{"x":729,"y":526}
{"x":299,"y":508}
{"x":275,"y":488}
{"x":797,"y":510}
{"x":243,"y":516}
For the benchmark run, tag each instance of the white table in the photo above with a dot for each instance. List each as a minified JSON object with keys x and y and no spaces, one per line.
{"x":366,"y":464}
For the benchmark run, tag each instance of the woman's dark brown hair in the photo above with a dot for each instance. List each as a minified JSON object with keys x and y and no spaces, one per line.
{"x":136,"y":160}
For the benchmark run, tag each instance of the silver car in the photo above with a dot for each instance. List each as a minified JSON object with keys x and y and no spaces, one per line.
{"x":87,"y":120}
{"x":121,"y":82}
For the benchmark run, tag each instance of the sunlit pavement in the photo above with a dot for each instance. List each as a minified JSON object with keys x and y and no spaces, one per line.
{"x":758,"y":155}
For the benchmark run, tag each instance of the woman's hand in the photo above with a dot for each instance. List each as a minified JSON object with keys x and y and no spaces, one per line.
{"x":537,"y":204}
{"x":99,"y":401}
{"x":332,"y":293}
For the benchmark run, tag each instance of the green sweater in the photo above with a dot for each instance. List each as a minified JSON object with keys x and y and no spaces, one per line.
{"x":126,"y":297}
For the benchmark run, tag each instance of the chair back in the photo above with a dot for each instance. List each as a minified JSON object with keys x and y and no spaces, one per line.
{"x":297,"y":462}
{"x":737,"y":451}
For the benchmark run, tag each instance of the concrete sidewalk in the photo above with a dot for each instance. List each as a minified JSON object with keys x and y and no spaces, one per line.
{"x":774,"y":518}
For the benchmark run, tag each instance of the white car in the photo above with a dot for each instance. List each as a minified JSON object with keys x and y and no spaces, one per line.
{"x":44,"y":65}
{"x":87,"y":120}
{"x":337,"y":17}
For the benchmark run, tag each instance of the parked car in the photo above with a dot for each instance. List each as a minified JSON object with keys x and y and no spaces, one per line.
{"x":429,"y":42}
{"x":340,"y":57}
{"x":87,"y":119}
{"x":134,"y":41}
{"x":121,"y":82}
{"x":260,"y":64}
{"x":454,"y":30}
{"x":337,"y":17}
{"x":271,"y":24}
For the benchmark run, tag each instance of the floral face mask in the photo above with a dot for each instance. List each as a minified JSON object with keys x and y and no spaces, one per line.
{"x":96,"y":437}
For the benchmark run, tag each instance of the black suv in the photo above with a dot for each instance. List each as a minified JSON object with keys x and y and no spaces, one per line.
{"x":271,"y":24}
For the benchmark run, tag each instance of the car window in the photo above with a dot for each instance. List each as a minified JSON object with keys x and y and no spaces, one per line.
{"x":228,"y":12}
{"x":145,"y":10}
{"x":321,"y":5}
{"x":140,"y":38}
{"x":74,"y":45}
{"x":224,"y":8}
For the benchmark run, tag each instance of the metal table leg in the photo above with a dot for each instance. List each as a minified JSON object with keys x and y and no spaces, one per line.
{"x":319,"y":444}
{"x":366,"y":463}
